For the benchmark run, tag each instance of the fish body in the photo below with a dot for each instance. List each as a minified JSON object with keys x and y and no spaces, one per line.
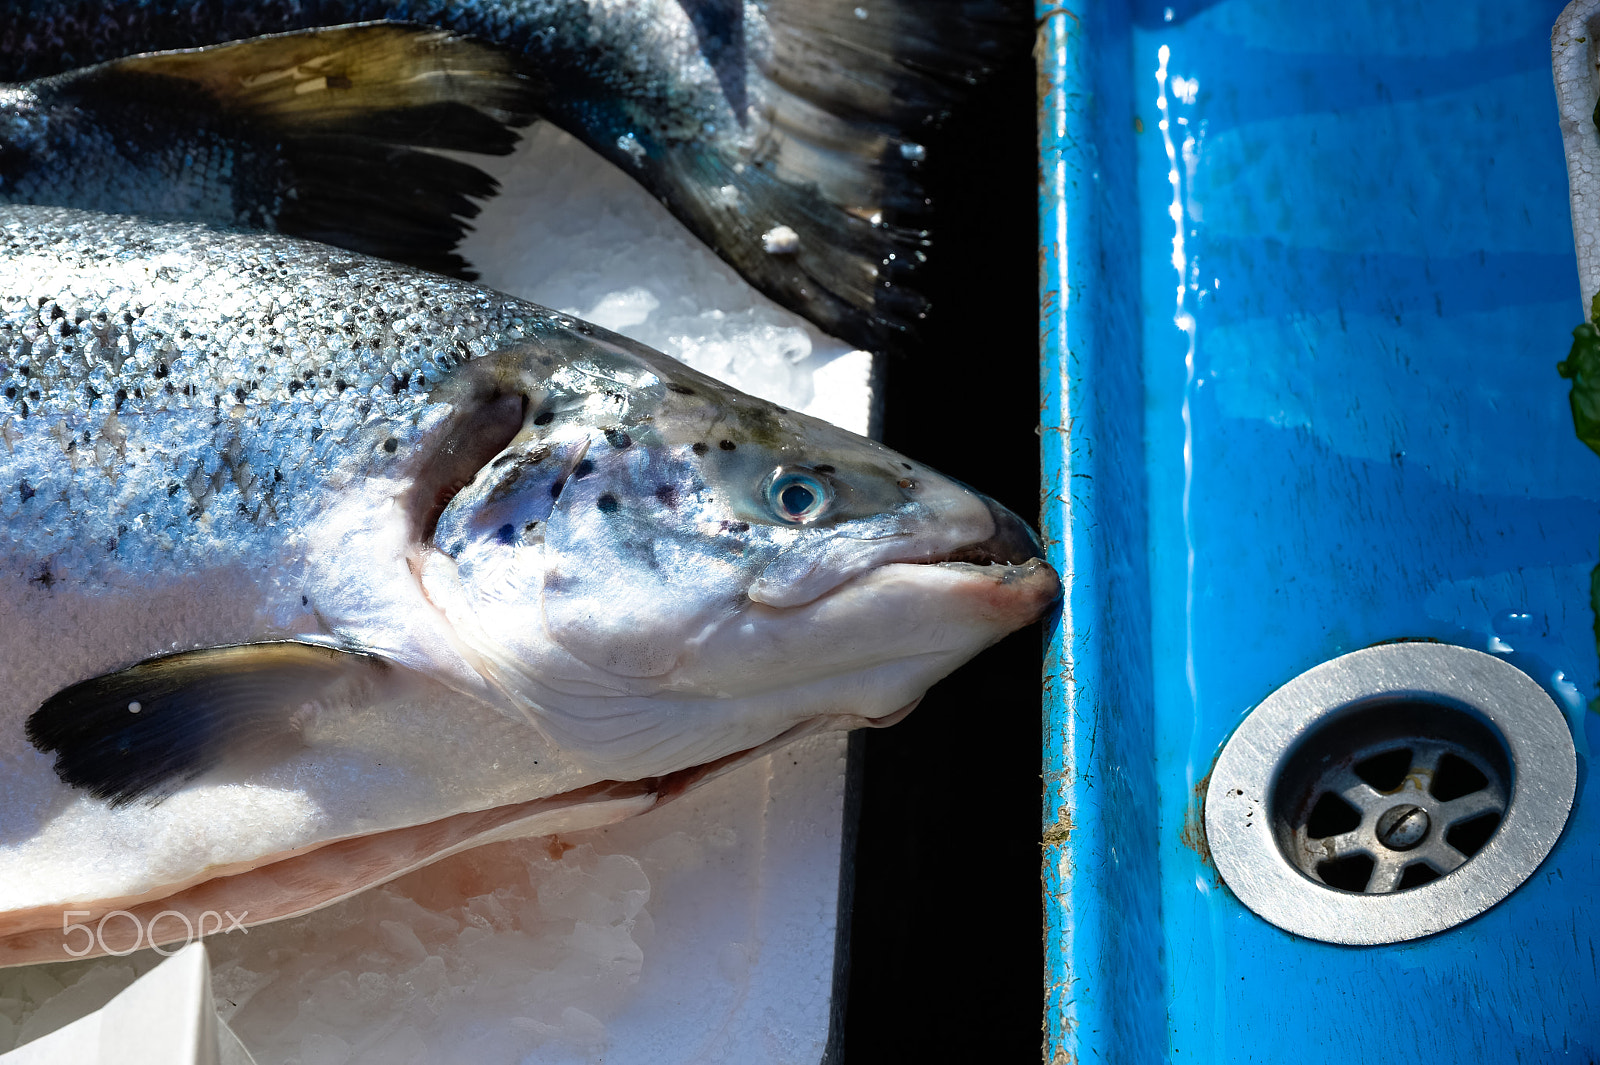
{"x":314,"y":568}
{"x":785,"y":134}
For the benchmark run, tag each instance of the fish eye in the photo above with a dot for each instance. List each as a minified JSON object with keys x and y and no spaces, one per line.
{"x":797,"y":497}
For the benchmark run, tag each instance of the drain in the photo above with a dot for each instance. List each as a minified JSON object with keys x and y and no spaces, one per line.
{"x":1390,"y":793}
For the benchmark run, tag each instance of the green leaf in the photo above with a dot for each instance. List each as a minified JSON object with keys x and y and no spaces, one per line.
{"x":1582,"y":367}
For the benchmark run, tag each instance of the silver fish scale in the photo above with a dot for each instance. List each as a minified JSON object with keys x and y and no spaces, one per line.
{"x":157,"y":388}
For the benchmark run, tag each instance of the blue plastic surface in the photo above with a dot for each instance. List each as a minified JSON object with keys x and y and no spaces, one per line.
{"x":1307,"y":271}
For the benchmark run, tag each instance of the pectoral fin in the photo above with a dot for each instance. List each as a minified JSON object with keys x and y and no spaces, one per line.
{"x":155,"y":725}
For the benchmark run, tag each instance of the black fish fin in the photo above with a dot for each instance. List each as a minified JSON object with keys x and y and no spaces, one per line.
{"x":820,"y":200}
{"x":352,"y":117}
{"x":157,"y":724}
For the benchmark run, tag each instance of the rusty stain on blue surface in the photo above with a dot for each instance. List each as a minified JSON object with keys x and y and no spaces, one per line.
{"x":1102,"y":929}
{"x":1356,"y":434}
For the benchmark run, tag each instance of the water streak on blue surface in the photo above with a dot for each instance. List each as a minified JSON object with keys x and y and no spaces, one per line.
{"x":1104,"y":983}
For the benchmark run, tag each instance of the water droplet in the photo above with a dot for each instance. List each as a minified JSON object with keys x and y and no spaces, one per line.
{"x":1512,"y":622}
{"x":1166,"y":15}
{"x":861,"y":12}
{"x":1567,"y":692}
{"x":912,"y":151}
{"x":135,"y":706}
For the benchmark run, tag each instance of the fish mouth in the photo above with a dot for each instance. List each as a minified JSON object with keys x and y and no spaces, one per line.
{"x":1012,"y":544}
{"x":1007,"y":570}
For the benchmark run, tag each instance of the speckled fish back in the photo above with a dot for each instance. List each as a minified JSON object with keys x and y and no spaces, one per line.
{"x":167,"y":383}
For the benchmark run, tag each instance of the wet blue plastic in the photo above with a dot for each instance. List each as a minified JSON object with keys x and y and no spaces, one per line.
{"x":1347,"y":429}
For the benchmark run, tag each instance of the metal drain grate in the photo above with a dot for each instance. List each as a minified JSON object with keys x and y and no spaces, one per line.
{"x":1390,"y":793}
{"x":1390,"y":816}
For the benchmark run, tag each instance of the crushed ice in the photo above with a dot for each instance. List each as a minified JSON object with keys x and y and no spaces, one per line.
{"x":590,"y":242}
{"x":520,"y":944}
{"x":548,"y":937}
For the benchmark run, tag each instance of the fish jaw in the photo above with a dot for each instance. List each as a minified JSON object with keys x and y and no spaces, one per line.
{"x":954,"y":524}
{"x":891,"y":633}
{"x":859,"y":655}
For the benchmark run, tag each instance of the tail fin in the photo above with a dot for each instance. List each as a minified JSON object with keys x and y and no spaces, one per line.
{"x":347,"y":118}
{"x":821,"y":202}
